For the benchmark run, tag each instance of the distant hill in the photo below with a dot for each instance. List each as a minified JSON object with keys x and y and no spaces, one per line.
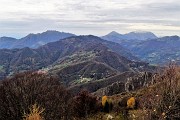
{"x":158,"y":51}
{"x":33,"y":40}
{"x":7,"y":42}
{"x":140,"y":35}
{"x":148,"y":47}
{"x":117,"y":37}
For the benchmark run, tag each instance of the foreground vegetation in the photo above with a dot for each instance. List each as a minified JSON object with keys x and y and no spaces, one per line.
{"x":36,"y":96}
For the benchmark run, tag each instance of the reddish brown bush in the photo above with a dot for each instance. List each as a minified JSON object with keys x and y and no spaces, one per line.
{"x":85,"y":104}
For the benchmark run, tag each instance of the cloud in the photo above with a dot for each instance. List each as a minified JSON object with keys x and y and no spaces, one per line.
{"x":89,"y":17}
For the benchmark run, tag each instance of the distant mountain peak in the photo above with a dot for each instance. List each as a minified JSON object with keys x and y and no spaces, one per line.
{"x":52,"y":31}
{"x":4,"y":37}
{"x":175,"y":36}
{"x":55,"y":31}
{"x":139,"y":31}
{"x":169,"y":38}
{"x":46,"y":32}
{"x":114,"y":33}
{"x":135,"y":35}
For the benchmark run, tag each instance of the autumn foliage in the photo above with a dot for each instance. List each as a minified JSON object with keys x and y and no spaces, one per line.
{"x":35,"y":113}
{"x":104,"y":100}
{"x":107,"y":104}
{"x":131,"y":103}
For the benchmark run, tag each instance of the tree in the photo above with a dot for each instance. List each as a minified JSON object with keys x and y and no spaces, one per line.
{"x":20,"y":92}
{"x":163,"y":99}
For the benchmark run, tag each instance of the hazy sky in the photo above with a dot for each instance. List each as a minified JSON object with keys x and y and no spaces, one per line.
{"x":98,"y":17}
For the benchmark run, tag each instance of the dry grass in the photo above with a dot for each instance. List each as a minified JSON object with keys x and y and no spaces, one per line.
{"x":138,"y":115}
{"x":35,"y":113}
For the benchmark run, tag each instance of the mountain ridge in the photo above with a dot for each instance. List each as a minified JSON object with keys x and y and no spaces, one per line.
{"x":117,"y":37}
{"x":78,"y":62}
{"x":17,"y":60}
{"x":159,"y":51}
{"x":33,"y":40}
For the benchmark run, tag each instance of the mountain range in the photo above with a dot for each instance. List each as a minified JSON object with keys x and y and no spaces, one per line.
{"x":148,"y":47}
{"x":39,"y":39}
{"x":145,"y":46}
{"x":33,"y":40}
{"x":75,"y":56}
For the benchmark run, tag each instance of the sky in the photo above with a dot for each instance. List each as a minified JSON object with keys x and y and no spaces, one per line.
{"x":82,"y":17}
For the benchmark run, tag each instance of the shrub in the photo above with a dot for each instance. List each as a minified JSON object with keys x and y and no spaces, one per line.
{"x":22,"y":91}
{"x":131,"y":103}
{"x":123,"y":102}
{"x":104,"y":100}
{"x":163,"y":99}
{"x":107,"y":104}
{"x":110,"y":104}
{"x":35,"y":113}
{"x":106,"y":107}
{"x":84,"y":104}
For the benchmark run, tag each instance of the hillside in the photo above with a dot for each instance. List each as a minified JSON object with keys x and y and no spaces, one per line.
{"x":89,"y":50}
{"x":131,"y":95}
{"x":158,"y":51}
